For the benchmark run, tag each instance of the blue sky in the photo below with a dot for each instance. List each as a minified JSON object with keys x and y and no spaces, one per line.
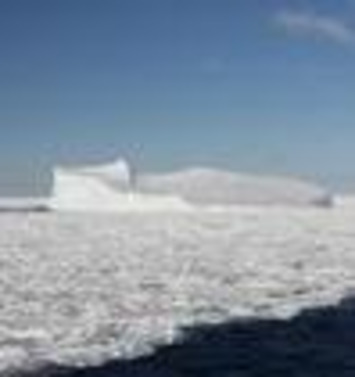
{"x":257,"y":85}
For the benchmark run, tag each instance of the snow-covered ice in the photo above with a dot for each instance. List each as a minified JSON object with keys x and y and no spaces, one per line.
{"x":82,"y":288}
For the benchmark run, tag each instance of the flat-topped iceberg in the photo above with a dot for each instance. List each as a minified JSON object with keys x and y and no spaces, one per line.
{"x":108,"y":187}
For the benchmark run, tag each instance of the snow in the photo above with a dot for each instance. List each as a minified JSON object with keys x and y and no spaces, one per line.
{"x":78,"y":289}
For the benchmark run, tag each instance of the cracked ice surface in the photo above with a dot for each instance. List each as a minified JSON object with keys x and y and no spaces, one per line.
{"x":79,"y":289}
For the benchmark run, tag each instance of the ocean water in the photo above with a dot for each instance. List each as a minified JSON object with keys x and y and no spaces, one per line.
{"x":81,"y":289}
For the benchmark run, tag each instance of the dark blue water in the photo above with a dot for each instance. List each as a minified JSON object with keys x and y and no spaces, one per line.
{"x":316,"y":343}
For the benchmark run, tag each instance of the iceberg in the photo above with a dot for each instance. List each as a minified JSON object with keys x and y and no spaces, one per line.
{"x":116,"y":187}
{"x":207,"y":186}
{"x":108,"y":187}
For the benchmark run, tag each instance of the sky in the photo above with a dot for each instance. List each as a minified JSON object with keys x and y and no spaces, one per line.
{"x":265,"y":86}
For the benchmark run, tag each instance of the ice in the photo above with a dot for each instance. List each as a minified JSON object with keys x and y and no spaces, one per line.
{"x":114,"y":187}
{"x":209,"y":186}
{"x":78,"y":289}
{"x":107,"y":188}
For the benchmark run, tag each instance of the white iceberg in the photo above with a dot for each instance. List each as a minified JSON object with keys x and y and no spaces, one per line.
{"x":108,"y":187}
{"x":115,"y":187}
{"x":217,"y":187}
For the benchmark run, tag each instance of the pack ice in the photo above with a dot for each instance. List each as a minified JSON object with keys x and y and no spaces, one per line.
{"x":81,"y":288}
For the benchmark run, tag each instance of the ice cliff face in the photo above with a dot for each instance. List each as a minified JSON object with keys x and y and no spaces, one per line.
{"x":107,"y":187}
{"x":114,"y":187}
